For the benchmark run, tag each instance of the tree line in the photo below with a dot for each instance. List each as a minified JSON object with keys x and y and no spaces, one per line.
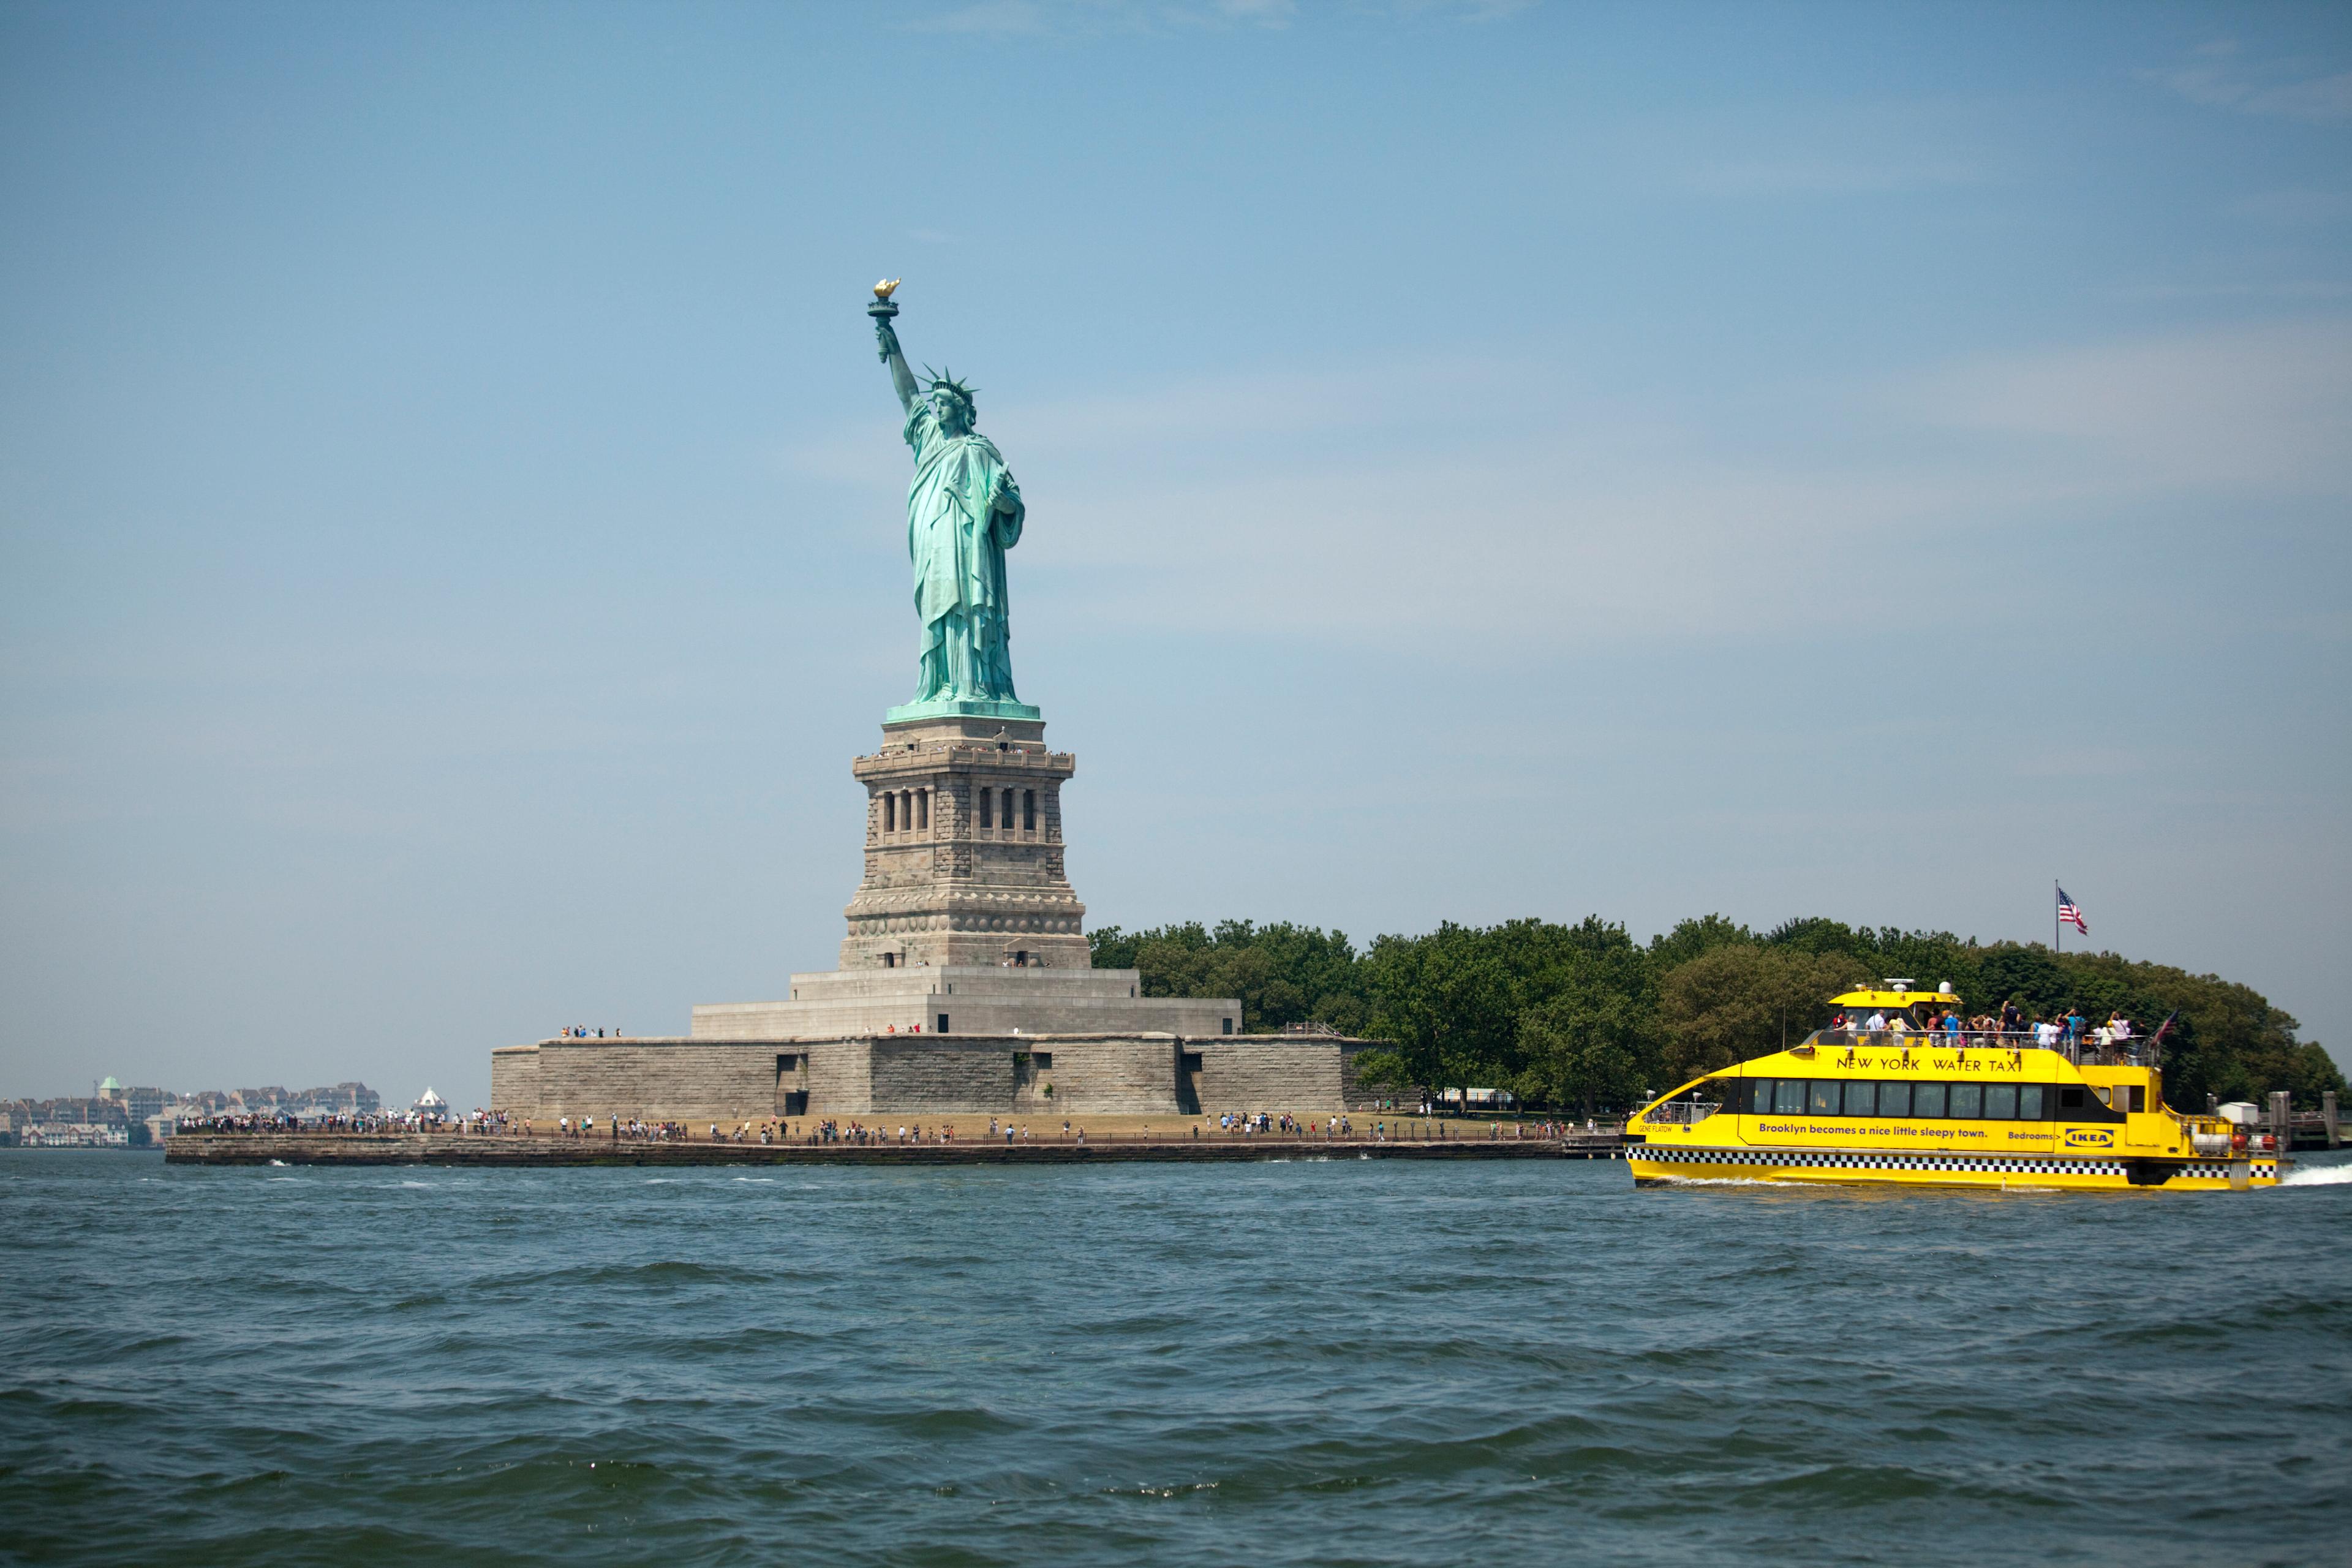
{"x":1583,"y":1018}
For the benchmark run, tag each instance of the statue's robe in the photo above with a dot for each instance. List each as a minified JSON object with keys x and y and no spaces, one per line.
{"x":957,"y":537}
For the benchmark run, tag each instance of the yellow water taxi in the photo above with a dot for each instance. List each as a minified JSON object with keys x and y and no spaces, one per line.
{"x":1885,"y":1098}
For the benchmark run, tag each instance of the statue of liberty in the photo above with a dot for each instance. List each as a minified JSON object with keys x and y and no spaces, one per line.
{"x":963,"y":513}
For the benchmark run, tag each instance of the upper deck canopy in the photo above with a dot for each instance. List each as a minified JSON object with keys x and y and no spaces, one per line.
{"x":1893,"y":998}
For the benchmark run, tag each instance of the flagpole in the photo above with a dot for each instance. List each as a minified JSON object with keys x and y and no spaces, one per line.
{"x":2055,"y":944}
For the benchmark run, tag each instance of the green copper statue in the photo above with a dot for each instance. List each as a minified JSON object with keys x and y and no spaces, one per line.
{"x":963,"y":513}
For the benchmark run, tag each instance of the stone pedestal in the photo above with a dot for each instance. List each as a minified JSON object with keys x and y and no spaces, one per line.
{"x":963,"y":849}
{"x":964,"y":924}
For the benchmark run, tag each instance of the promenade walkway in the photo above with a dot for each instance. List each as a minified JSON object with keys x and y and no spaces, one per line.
{"x":443,"y":1148}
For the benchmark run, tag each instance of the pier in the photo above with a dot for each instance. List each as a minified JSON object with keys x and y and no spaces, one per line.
{"x":451,"y":1148}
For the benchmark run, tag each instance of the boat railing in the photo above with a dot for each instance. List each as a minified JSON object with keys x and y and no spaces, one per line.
{"x":2084,"y":1051}
{"x":1681,"y":1112}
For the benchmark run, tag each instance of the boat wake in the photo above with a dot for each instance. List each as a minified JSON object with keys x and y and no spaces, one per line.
{"x":2323,"y":1176}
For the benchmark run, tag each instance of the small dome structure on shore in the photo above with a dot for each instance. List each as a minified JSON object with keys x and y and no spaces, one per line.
{"x":430,"y":1104}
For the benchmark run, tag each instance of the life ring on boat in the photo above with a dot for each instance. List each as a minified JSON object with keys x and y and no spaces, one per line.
{"x":2237,"y":1140}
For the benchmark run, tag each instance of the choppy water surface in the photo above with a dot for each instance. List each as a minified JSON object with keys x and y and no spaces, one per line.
{"x":1311,"y":1363}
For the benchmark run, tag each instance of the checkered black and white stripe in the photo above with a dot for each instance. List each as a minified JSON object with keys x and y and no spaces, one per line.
{"x":1982,"y":1165}
{"x":1842,"y":1160}
{"x":2219,"y":1171}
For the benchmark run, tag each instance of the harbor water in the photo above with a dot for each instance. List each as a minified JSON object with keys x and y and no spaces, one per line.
{"x":1319,"y":1361}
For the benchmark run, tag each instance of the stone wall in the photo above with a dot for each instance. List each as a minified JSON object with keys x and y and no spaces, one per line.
{"x":1106,"y":1075}
{"x":840,"y":1077}
{"x":940,"y":1073}
{"x":514,"y":1076}
{"x":728,"y":1081}
{"x":660,"y":1080}
{"x":1278,"y":1073}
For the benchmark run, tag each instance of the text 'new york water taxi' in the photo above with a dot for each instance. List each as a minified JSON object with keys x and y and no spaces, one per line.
{"x":1890,"y":1100}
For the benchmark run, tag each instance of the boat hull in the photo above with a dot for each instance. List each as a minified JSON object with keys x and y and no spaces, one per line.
{"x":1945,"y":1168}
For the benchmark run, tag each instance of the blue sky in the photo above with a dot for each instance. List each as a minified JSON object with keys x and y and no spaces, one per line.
{"x":1482,"y":461}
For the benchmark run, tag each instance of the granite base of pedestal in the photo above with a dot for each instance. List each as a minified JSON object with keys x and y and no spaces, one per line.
{"x":707,"y":1078}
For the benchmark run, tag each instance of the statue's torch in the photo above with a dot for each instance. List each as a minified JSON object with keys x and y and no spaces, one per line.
{"x":882,"y":311}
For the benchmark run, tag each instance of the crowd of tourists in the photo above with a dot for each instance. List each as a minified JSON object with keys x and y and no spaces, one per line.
{"x":2069,"y":1033}
{"x":476,"y":1121}
{"x":778,"y":1132}
{"x":633,"y":1129}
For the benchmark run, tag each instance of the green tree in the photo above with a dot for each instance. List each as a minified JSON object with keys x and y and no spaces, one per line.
{"x":1447,"y":1001}
{"x":1692,"y":937}
{"x":1739,"y":1002}
{"x":1282,"y":973}
{"x":1591,"y":1040}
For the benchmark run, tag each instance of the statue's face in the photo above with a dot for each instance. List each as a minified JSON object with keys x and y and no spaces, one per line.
{"x":949,"y":409}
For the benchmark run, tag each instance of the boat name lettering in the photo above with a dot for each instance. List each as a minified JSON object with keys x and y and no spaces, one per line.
{"x":1850,"y":1130}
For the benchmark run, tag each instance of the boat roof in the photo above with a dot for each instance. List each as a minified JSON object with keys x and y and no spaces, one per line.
{"x":1893,"y":998}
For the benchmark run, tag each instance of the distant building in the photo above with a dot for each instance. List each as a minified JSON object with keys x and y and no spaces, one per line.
{"x":139,"y":1103}
{"x":115,"y":1114}
{"x":346,"y":1099}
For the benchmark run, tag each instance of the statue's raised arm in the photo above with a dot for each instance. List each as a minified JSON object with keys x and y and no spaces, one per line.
{"x":885,"y":338}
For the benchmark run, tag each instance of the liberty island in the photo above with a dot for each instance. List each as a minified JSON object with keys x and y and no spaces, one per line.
{"x":964,"y":985}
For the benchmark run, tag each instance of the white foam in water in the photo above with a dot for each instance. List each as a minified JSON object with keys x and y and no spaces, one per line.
{"x":2319,"y":1176}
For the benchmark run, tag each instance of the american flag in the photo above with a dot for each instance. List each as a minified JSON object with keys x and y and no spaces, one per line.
{"x":2071,"y":912}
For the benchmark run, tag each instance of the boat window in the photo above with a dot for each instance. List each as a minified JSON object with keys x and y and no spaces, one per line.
{"x":1895,"y":1100}
{"x":2000,"y":1102}
{"x":1788,"y":1097}
{"x":1758,"y":1097}
{"x":2028,"y":1101}
{"x":1828,"y":1093}
{"x":1861,"y":1099}
{"x":1967,"y":1101}
{"x":1928,"y":1098}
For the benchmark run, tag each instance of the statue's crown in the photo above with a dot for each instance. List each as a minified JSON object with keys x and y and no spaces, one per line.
{"x":944,"y":378}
